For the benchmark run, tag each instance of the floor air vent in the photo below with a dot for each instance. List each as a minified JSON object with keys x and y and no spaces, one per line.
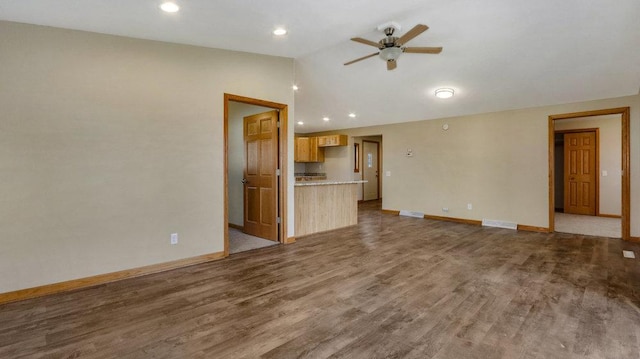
{"x":499,"y":224}
{"x":411,"y":214}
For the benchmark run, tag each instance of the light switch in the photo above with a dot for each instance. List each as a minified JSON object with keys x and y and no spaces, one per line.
{"x":388,"y":173}
{"x":604,"y":174}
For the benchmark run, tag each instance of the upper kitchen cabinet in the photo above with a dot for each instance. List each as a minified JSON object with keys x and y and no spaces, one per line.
{"x":333,"y":140}
{"x":306,"y":150}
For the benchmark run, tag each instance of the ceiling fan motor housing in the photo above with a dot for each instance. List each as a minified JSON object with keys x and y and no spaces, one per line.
{"x":389,"y":41}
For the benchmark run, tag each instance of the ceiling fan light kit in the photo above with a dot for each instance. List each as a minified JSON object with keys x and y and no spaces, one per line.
{"x":390,"y":53}
{"x":391,"y":47}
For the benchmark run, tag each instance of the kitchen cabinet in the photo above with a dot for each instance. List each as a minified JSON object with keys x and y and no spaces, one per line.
{"x":333,"y":140}
{"x":306,"y":150}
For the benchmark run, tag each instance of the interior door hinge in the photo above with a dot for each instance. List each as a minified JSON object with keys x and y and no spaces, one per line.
{"x":278,"y":172}
{"x":278,"y":220}
{"x":278,"y":124}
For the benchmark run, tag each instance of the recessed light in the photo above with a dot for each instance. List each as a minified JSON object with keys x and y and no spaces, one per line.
{"x":280,"y":31}
{"x":325,"y":118}
{"x":294,"y":87}
{"x":300,"y":123}
{"x":444,"y":93}
{"x":352,"y":115}
{"x":169,"y":7}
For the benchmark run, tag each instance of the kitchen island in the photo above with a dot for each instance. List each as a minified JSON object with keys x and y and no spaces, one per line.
{"x":325,"y":205}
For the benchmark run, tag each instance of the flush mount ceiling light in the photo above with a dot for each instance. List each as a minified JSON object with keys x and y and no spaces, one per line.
{"x":444,"y":93}
{"x":294,"y":87}
{"x":300,"y":123}
{"x":280,"y":31}
{"x":325,"y":119}
{"x":169,"y":6}
{"x":352,"y":115}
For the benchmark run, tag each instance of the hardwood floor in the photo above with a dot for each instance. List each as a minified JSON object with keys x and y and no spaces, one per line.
{"x":390,"y":287}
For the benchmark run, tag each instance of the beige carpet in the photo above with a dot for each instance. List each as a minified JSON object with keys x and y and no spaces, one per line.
{"x":242,"y":242}
{"x":589,"y":225}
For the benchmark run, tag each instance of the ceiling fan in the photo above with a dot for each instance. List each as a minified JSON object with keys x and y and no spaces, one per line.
{"x":391,"y":47}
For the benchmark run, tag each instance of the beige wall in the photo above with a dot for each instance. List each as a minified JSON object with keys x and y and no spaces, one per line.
{"x":496,"y":161}
{"x":237,"y":112}
{"x":110,"y":144}
{"x":610,"y":153}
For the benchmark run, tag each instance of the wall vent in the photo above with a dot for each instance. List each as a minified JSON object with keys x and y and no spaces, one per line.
{"x":406,"y":213}
{"x":499,"y":224}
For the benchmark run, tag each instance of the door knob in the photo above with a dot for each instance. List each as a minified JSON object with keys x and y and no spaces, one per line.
{"x":244,"y":180}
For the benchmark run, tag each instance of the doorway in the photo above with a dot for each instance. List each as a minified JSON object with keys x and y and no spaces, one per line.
{"x":371,"y":170}
{"x":255,"y":169}
{"x":589,"y":188}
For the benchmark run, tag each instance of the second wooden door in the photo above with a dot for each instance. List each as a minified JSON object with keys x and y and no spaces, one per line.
{"x":580,"y":174}
{"x":260,"y":179}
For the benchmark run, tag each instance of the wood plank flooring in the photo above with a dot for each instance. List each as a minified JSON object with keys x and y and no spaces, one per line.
{"x":390,"y":287}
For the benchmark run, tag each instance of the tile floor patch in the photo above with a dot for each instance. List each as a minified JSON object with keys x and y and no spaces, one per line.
{"x":628,"y":254}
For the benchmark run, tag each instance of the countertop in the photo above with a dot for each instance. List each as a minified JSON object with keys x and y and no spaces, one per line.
{"x":326,"y":183}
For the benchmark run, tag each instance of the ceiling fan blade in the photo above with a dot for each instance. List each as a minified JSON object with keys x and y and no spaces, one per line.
{"x":360,"y":59}
{"x":391,"y":65}
{"x":366,"y":42}
{"x":423,"y":50}
{"x":417,"y":30}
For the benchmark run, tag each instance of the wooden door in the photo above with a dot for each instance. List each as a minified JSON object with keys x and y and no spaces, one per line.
{"x":370,"y":164}
{"x":580,"y":174}
{"x":260,"y":180}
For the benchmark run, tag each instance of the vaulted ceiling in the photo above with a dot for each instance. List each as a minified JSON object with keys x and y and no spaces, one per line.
{"x":498,"y":54}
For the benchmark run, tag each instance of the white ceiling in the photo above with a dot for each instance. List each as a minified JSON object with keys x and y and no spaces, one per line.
{"x":498,"y":54}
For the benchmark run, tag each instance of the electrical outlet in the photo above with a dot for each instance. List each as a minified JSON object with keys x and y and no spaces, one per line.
{"x":174,"y":238}
{"x":469,"y":206}
{"x":445,"y":209}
